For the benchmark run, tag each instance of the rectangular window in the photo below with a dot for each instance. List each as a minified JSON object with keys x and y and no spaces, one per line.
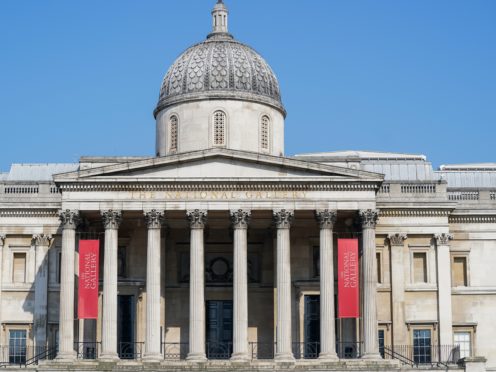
{"x":381,"y":342}
{"x":19,"y":268}
{"x":463,"y":340}
{"x":379,"y":267}
{"x":59,"y":266}
{"x":459,"y":271}
{"x":420,"y":267}
{"x":17,"y":346}
{"x":422,"y":346}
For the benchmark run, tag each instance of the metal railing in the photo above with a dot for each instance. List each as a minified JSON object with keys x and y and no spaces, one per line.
{"x":175,"y":350}
{"x":306,"y":350}
{"x":262,"y":350}
{"x":219,"y":350}
{"x":424,"y":354}
{"x":24,"y":355}
{"x":131,"y":350}
{"x":87,"y":349}
{"x":349,"y":350}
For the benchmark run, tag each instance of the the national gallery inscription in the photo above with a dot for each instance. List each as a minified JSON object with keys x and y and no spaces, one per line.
{"x":218,"y":195}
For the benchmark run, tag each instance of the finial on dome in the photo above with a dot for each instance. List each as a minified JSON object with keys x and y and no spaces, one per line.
{"x":219,"y":18}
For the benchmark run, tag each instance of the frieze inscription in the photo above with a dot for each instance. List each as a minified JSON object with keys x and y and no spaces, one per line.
{"x":218,"y":195}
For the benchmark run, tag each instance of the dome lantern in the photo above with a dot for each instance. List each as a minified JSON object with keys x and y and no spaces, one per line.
{"x":220,"y":16}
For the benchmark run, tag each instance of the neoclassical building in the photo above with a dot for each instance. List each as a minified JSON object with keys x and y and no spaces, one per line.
{"x":221,"y":252}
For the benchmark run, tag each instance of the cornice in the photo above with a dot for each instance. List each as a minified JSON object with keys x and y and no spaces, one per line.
{"x":225,"y":186}
{"x":472,"y":219}
{"x":29,"y":213}
{"x":415,"y":212}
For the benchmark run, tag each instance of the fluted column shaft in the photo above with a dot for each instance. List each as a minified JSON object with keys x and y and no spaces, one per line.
{"x":70,"y":220}
{"x":42,"y":243}
{"x":326,"y":220}
{"x":283,"y":220}
{"x":444,"y":288}
{"x":154,"y":221}
{"x":370,"y":337}
{"x":396,"y":244}
{"x":197,"y":220}
{"x":111,"y":221}
{"x":240,"y":220}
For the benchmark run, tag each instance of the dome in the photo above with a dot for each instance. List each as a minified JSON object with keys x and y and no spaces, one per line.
{"x":220,"y":68}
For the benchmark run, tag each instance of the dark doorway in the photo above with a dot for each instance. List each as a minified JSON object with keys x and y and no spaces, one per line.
{"x":125,"y":327}
{"x":311,"y":347}
{"x":219,"y":329}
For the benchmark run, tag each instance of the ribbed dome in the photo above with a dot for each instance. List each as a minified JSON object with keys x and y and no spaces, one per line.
{"x":220,"y":68}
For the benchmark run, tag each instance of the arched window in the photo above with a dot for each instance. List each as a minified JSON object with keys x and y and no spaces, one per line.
{"x":219,"y":128}
{"x":173,"y":133}
{"x":265,"y":133}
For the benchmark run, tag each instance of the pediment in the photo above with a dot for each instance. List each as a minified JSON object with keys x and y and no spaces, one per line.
{"x":216,"y":164}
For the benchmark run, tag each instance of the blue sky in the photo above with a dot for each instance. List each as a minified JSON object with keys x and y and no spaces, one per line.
{"x":82,"y":77}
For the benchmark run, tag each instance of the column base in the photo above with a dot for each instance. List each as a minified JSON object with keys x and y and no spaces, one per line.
{"x":108,"y":357}
{"x":67,"y":356}
{"x":240,"y":358}
{"x":371,"y":356}
{"x":197,"y":357}
{"x":328,"y":357}
{"x":284,"y":358}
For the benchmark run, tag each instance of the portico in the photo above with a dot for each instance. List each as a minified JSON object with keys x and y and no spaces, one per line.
{"x":313,"y":197}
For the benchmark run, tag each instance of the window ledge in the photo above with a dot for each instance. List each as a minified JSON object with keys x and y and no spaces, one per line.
{"x":421,"y":288}
{"x":473,"y":290}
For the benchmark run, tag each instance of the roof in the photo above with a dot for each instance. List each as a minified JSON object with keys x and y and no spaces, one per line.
{"x":364,"y":155}
{"x":37,"y":172}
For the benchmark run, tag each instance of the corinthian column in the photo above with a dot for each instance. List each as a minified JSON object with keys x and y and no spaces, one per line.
{"x":240,"y":219}
{"x":444,"y":288}
{"x":283,"y":219}
{"x":397,"y":243}
{"x":42,"y":243}
{"x":154,"y":221}
{"x":326,"y":220}
{"x":370,"y":339}
{"x":197,"y":219}
{"x":111,"y":221}
{"x":70,"y":220}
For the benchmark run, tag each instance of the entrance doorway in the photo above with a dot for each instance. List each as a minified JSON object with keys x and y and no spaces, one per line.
{"x":126,"y":326}
{"x":311,"y":346}
{"x":219,"y":329}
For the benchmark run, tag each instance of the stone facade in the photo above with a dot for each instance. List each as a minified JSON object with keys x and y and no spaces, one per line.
{"x":224,"y":255}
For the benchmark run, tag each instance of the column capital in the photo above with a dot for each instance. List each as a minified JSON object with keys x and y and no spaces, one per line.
{"x":111,"y":219}
{"x":283,"y":218}
{"x":397,"y":239}
{"x":154,"y":219}
{"x":240,"y":218}
{"x":368,"y":218}
{"x":197,"y":218}
{"x":70,"y":219}
{"x":443,"y":238}
{"x":327,"y":218}
{"x":42,"y":239}
{"x":2,"y":239}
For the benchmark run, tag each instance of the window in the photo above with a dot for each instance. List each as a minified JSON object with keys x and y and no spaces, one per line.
{"x":264,"y":133}
{"x":422,"y":345}
{"x":173,"y":134}
{"x":459,"y":272}
{"x":381,"y":342}
{"x":463,"y":340}
{"x":59,"y":266}
{"x":420,"y":267}
{"x":17,"y":346}
{"x":219,"y":128}
{"x":379,"y":267}
{"x":19,"y":268}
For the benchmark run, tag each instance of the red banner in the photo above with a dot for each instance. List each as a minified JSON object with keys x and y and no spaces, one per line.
{"x":348,"y":279}
{"x":88,"y":279}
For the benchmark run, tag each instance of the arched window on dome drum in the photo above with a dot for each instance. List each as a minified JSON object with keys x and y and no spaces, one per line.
{"x":219,"y":128}
{"x":265,"y":133}
{"x":173,"y":133}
